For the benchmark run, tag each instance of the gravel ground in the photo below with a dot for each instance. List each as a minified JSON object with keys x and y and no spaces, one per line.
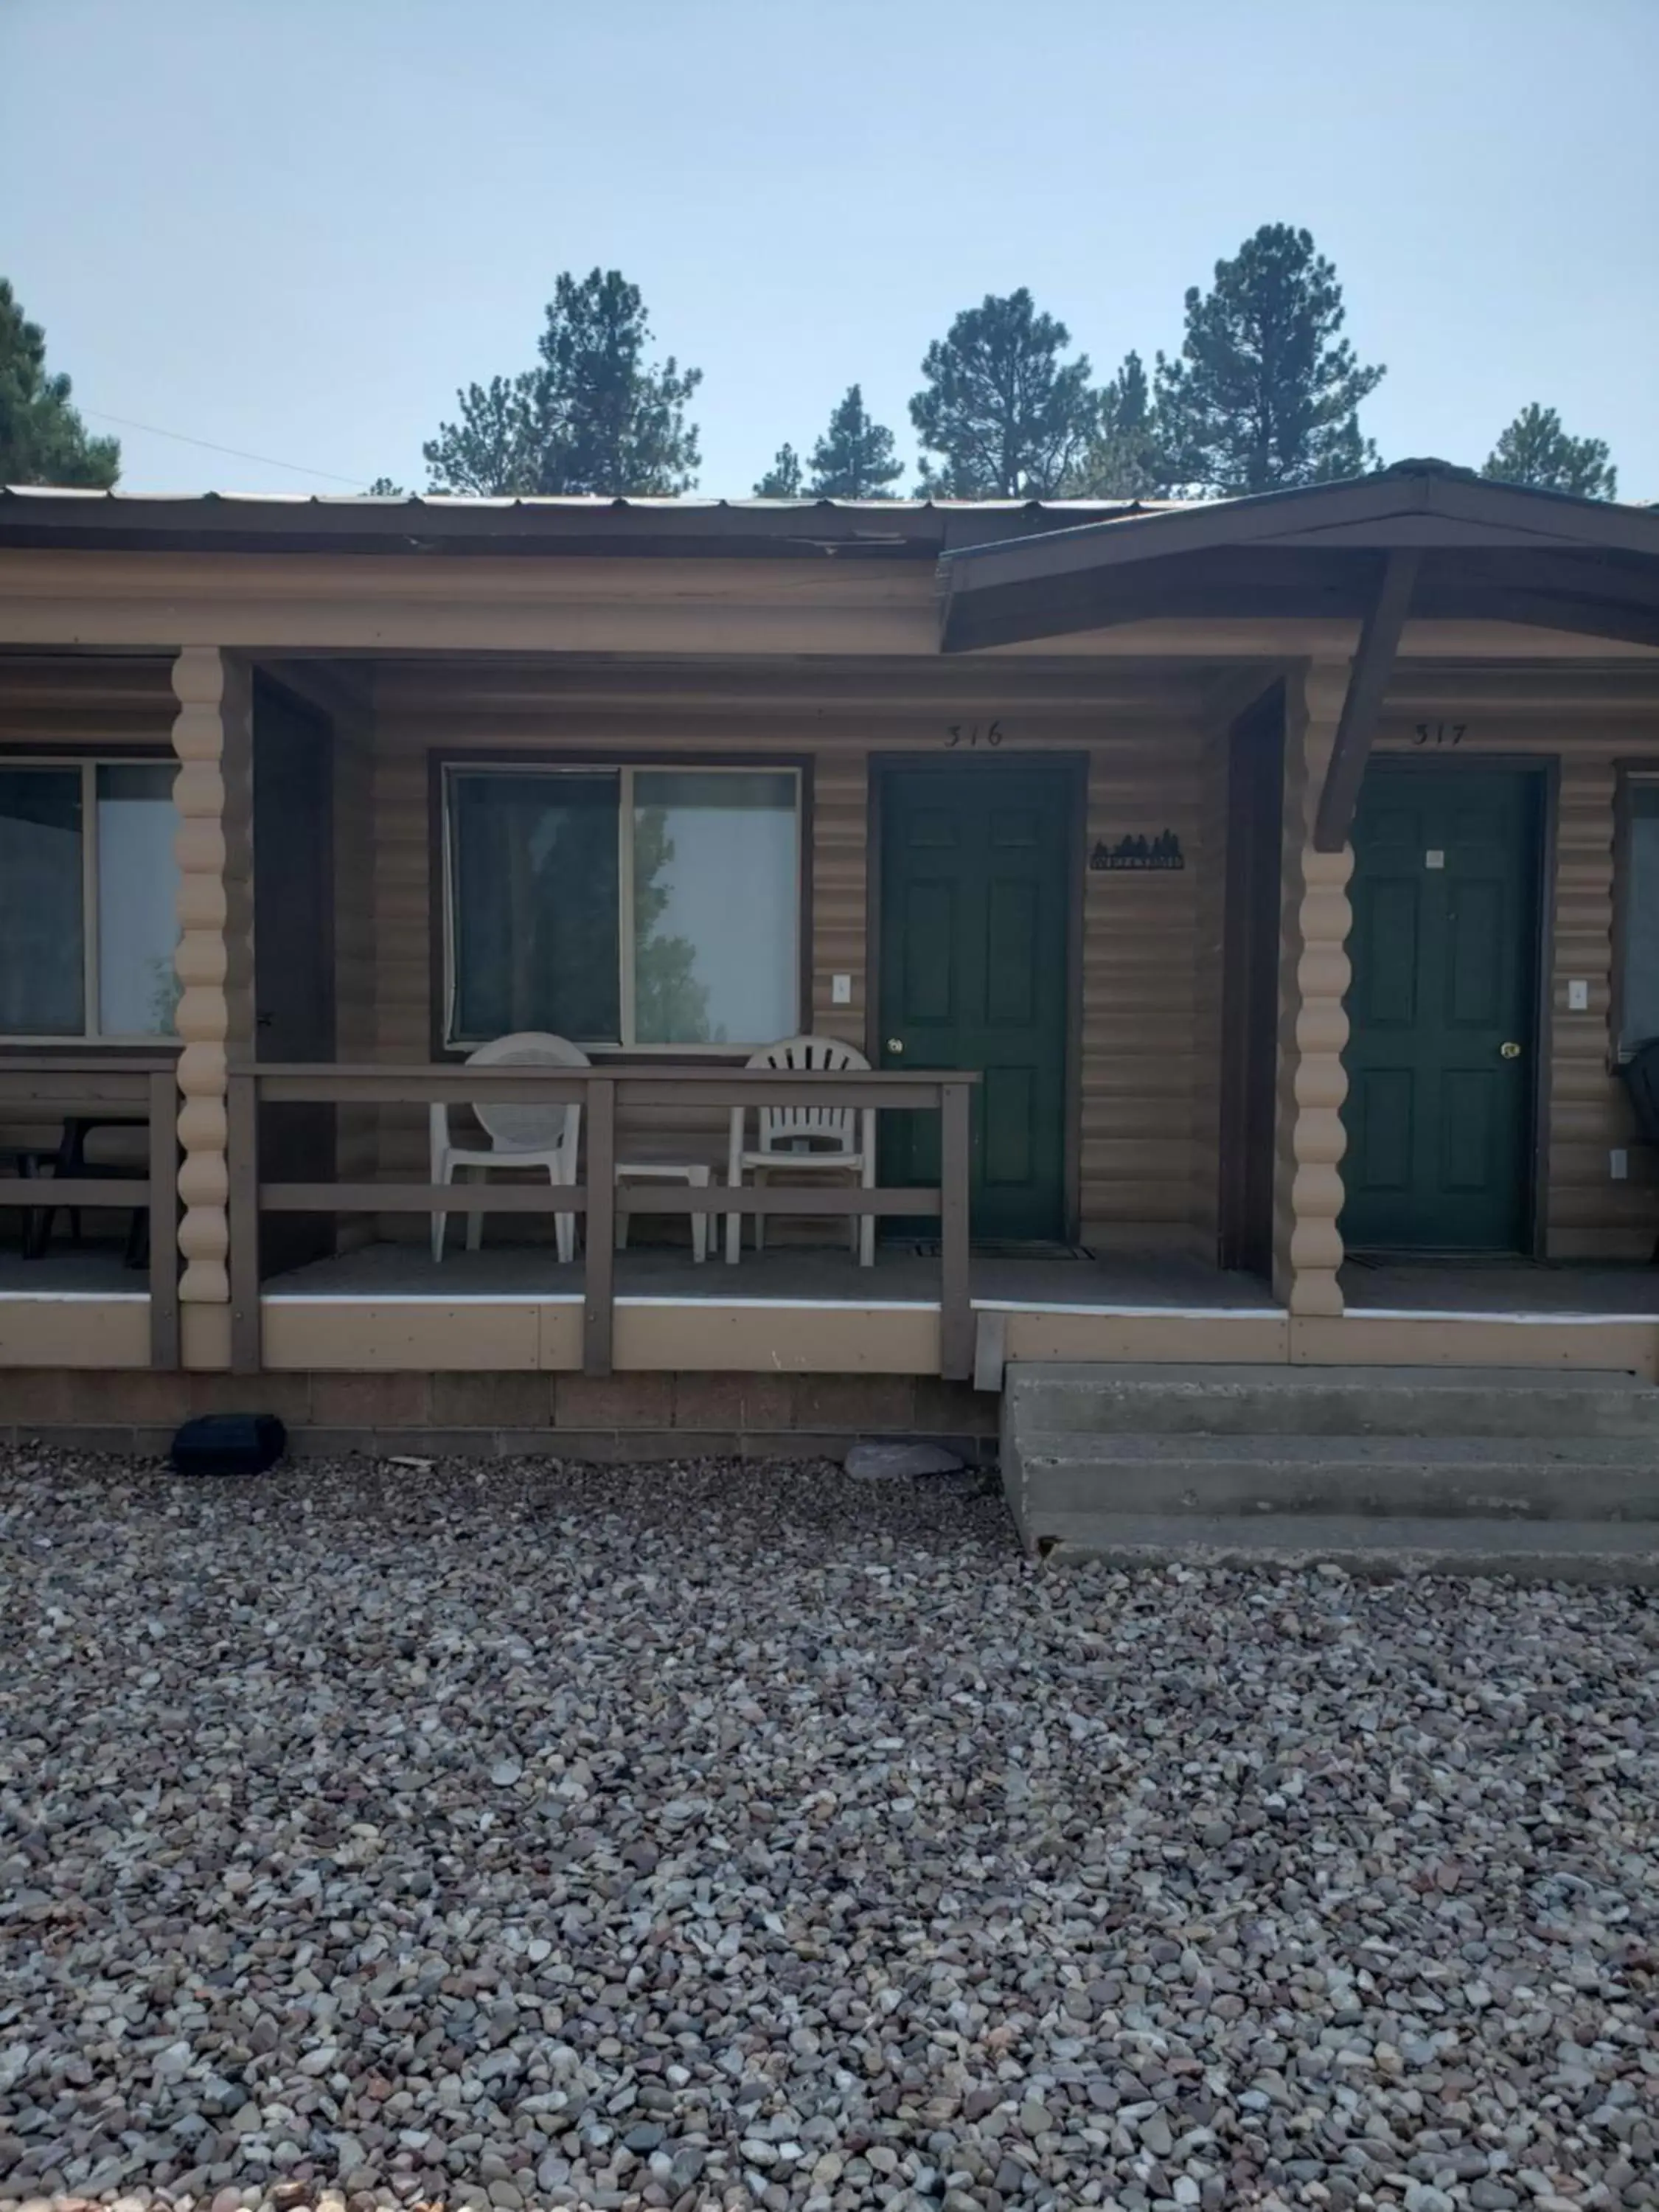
{"x":708,"y":1835}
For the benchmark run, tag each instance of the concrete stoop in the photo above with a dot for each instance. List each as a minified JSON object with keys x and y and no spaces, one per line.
{"x":1513,"y":1471}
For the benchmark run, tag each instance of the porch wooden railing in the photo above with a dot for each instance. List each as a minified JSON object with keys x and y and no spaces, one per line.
{"x":600,"y":1090}
{"x":49,"y":1086}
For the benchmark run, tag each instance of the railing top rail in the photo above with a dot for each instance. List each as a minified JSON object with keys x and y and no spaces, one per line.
{"x":54,"y":1063}
{"x":83,"y":1088}
{"x":858,"y":1089}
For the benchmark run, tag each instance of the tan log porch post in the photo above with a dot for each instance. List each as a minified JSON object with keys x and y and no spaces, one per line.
{"x":1313,"y":1026}
{"x":212,"y":737}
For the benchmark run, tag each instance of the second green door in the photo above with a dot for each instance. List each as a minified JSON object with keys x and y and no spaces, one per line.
{"x":976,"y":869}
{"x":1443,"y":1009}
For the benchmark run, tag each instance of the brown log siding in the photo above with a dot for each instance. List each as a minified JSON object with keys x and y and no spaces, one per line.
{"x":92,"y":699}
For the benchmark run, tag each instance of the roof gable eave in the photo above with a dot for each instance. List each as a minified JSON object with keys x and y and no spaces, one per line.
{"x":1063,"y":581}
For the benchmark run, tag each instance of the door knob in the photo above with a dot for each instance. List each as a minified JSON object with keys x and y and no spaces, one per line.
{"x":1510,"y":1051}
{"x":896,"y":1044}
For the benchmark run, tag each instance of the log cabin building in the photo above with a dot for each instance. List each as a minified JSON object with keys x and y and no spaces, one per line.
{"x":1241,"y":914}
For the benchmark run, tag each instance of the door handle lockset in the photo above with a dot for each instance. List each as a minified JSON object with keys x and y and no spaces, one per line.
{"x":1509,"y":1052}
{"x":896,"y":1044}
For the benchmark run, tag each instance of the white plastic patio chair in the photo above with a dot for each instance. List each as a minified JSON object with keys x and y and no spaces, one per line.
{"x":536,"y":1134}
{"x":793,"y":1140}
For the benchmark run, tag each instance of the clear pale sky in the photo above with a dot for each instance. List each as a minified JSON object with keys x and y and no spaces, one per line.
{"x":295,"y":225}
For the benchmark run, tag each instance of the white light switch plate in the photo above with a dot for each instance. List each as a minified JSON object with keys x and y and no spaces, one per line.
{"x":1577,"y":996}
{"x":841,"y":990}
{"x":1618,"y":1165}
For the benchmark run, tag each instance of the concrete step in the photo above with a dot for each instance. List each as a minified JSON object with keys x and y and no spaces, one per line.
{"x":1052,"y":1475}
{"x":1625,"y":1553}
{"x":1330,"y":1401}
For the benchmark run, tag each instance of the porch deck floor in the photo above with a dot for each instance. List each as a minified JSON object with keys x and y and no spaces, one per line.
{"x":1160,"y":1282}
{"x":803,"y":1274}
{"x":1507,"y":1287}
{"x":69,"y":1271}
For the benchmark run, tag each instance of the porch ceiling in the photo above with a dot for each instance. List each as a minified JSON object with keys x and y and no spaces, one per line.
{"x":1480,"y":552}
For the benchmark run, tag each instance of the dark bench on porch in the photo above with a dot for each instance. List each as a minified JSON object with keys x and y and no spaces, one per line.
{"x":78,"y":1094}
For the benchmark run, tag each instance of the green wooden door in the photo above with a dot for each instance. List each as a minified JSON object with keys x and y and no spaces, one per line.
{"x":976,"y":861}
{"x":1442,"y":1010}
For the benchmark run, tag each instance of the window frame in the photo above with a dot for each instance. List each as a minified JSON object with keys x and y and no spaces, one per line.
{"x":1631,"y":775}
{"x":86,"y":761}
{"x":445,"y":766}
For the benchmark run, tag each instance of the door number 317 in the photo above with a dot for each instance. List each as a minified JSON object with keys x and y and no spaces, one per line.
{"x":1439,"y":734}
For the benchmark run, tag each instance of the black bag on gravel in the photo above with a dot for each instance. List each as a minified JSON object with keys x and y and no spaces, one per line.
{"x":229,"y":1444}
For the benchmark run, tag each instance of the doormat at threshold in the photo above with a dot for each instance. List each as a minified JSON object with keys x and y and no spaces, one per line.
{"x":1429,"y":1258}
{"x":1007,"y":1248}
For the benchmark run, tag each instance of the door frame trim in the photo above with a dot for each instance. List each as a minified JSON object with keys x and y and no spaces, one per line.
{"x":321,"y":724}
{"x":1071,"y":767}
{"x":281,"y":1236}
{"x":1235,"y":1040}
{"x":1544,"y":770}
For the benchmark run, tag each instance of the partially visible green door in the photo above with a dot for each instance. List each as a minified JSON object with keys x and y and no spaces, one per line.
{"x":976,"y":861}
{"x":1443,"y":1009}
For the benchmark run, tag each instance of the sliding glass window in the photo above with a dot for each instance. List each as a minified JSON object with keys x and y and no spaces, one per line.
{"x":88,"y":899}
{"x":630,"y":907}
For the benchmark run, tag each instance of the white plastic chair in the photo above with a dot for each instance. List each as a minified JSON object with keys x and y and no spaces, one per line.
{"x":794,"y":1140}
{"x":536,"y":1134}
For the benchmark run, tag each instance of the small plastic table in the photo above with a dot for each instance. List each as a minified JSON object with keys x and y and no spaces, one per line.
{"x":694,"y":1173}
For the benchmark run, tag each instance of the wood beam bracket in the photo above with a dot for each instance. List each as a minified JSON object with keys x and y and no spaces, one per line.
{"x":1362,"y":706}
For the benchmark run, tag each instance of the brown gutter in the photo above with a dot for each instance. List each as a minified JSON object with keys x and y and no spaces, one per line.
{"x":45,"y":519}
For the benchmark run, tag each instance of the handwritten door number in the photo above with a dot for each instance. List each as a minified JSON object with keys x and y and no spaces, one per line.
{"x":972,"y":734}
{"x":1439,"y":734}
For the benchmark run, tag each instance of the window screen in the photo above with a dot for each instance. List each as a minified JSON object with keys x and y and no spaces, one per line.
{"x":534,"y":923}
{"x":42,"y":903}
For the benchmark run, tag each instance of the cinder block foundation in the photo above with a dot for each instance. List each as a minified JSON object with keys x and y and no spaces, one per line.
{"x":650,"y":1415}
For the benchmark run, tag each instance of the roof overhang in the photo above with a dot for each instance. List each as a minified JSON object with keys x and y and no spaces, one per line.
{"x":1482,"y":552}
{"x":1421,"y":541}
{"x":34,"y":517}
